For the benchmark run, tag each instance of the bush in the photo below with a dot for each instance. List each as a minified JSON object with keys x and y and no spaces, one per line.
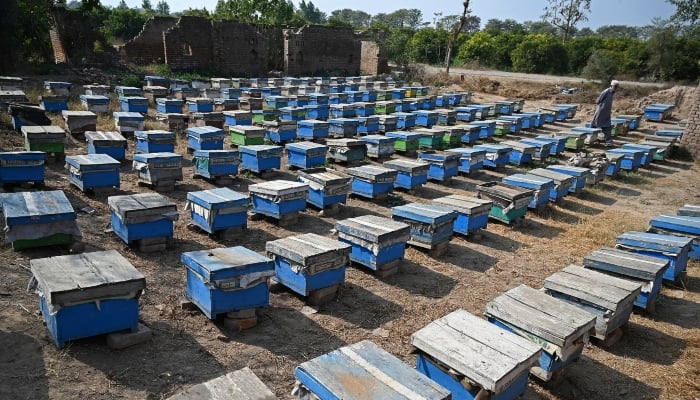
{"x":540,"y":54}
{"x":600,"y":67}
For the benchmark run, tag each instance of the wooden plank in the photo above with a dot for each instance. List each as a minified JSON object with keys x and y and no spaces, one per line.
{"x":593,"y":287}
{"x":625,"y":263}
{"x":484,"y":353}
{"x":240,"y":385}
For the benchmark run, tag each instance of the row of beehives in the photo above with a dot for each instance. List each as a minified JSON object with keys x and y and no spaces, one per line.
{"x":532,"y":331}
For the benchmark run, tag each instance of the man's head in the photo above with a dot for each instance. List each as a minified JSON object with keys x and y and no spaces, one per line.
{"x":614,"y":84}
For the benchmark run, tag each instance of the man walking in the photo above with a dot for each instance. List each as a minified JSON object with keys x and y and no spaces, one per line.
{"x":601,"y":117}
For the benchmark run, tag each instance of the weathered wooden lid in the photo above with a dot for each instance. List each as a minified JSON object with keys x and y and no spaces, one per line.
{"x":104,"y":136}
{"x":593,"y":287}
{"x":239,"y":385}
{"x":371,"y":173}
{"x":464,"y":204}
{"x":149,"y":203}
{"x":654,"y":241}
{"x":557,"y":177}
{"x":408,"y":166}
{"x":35,"y":204}
{"x":92,"y":160}
{"x":278,"y":187}
{"x":372,"y":228}
{"x":689,"y":210}
{"x":626,"y":263}
{"x":425,"y":213}
{"x":307,"y":248}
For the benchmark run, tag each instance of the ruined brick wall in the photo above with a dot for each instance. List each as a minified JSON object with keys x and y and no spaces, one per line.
{"x":238,"y":49}
{"x":188,"y":44}
{"x":373,"y":61}
{"x":314,"y":49}
{"x":77,"y":41}
{"x":691,"y":136}
{"x":147,"y":47}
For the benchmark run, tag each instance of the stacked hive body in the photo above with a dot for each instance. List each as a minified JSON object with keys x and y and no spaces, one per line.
{"x":145,"y":219}
{"x":472,"y":213}
{"x":227,"y":280}
{"x":509,"y":202}
{"x":474,"y":359}
{"x":93,"y":171}
{"x":49,"y":139}
{"x":160,"y":170}
{"x":87,"y":294}
{"x":218,"y":210}
{"x":112,"y":144}
{"x":310,"y":265}
{"x":279,"y":199}
{"x":431,"y":226}
{"x":410,"y":174}
{"x":561,"y":329}
{"x":363,"y":371}
{"x":372,"y":182}
{"x":378,"y":243}
{"x":38,"y":219}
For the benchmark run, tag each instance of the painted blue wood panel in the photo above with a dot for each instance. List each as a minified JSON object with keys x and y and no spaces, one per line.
{"x":36,"y":207}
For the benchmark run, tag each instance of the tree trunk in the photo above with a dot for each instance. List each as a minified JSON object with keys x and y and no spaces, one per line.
{"x":453,"y":38}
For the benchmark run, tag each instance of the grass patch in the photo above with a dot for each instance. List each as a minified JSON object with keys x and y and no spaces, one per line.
{"x":632,"y":178}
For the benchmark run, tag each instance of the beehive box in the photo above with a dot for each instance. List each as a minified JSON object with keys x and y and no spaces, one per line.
{"x":154,"y":141}
{"x":154,"y":80}
{"x":537,"y":120}
{"x":38,"y":219}
{"x":529,"y":121}
{"x":432,"y":139}
{"x":488,"y":128}
{"x":317,"y":111}
{"x":169,"y":105}
{"x":540,"y":186}
{"x":260,"y":158}
{"x":337,"y":97}
{"x":93,"y":171}
{"x":406,"y":142}
{"x":49,"y":139}
{"x":246,"y":135}
{"x":299,"y":100}
{"x":571,"y":109}
{"x":212,"y":119}
{"x":372,"y":182}
{"x":309,"y":264}
{"x":142,"y":216}
{"x":443,"y":165}
{"x":292,"y":113}
{"x":154,"y":92}
{"x":78,"y":122}
{"x":470,"y":160}
{"x":614,"y":164}
{"x":276,"y":102}
{"x":658,"y":112}
{"x":509,"y":202}
{"x":645,"y":270}
{"x":558,"y":143}
{"x":238,"y":118}
{"x":218,"y":210}
{"x":561,"y":329}
{"x":231,"y":93}
{"x":85,"y":295}
{"x":205,"y":138}
{"x":663,"y":149}
{"x":378,"y":243}
{"x":53,"y":103}
{"x":575,"y":141}
{"x":278,"y":198}
{"x":562,"y":182}
{"x":362,"y":109}
{"x":385,"y":107}
{"x":369,"y":96}
{"x":497,"y":155}
{"x":174,"y":122}
{"x":410,"y":174}
{"x":611,"y":299}
{"x":326,"y":189}
{"x":648,"y":152}
{"x":312,"y":129}
{"x":185,"y":93}
{"x":17,"y":167}
{"x":58,"y":88}
{"x":484,"y":111}
{"x":367,"y":125}
{"x":280,"y":132}
{"x":426,"y":118}
{"x":592,"y":134}
{"x":343,"y":127}
{"x":134,"y":104}
{"x":483,"y":360}
{"x":579,"y":174}
{"x":363,"y":371}
{"x":405,"y":121}
{"x":634,"y":121}
{"x":347,"y":150}
{"x":318,"y":99}
{"x":240,"y":385}
{"x":215,"y":164}
{"x":223,"y":104}
{"x":516,"y":124}
{"x":673,"y":248}
{"x":200,"y":104}
{"x":431,"y":226}
{"x":446,"y":116}
{"x":128,"y":122}
{"x":10,"y":83}
{"x":543,"y":148}
{"x":469,"y":133}
{"x":387,"y":123}
{"x":454,"y":136}
{"x":466,"y":114}
{"x":472,"y":212}
{"x":689,"y":210}
{"x":97,"y":90}
{"x":306,"y":154}
{"x":379,"y":146}
{"x":158,"y":169}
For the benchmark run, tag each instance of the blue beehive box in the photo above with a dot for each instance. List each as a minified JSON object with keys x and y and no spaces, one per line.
{"x":128,"y":122}
{"x":543,"y":148}
{"x":318,"y":111}
{"x":570,"y":109}
{"x":276,"y":102}
{"x":561,"y":329}
{"x":21,"y":167}
{"x":562,"y":182}
{"x":367,"y":125}
{"x":127,"y":91}
{"x":579,"y":174}
{"x":634,"y":120}
{"x":679,"y":225}
{"x":155,"y":141}
{"x":134,"y":104}
{"x":670,"y":133}
{"x":152,"y":80}
{"x":378,"y":243}
{"x":497,"y":155}
{"x":379,"y":146}
{"x":632,"y":159}
{"x":341,"y":373}
{"x":516,"y":123}
{"x":204,"y":138}
{"x":319,"y":99}
{"x":648,"y":152}
{"x":278,"y":198}
{"x":231,"y":93}
{"x":540,"y":186}
{"x":85,"y":295}
{"x":558,"y":143}
{"x":472,"y":212}
{"x":559,"y":114}
{"x":614,"y":163}
{"x":280,"y":132}
{"x":443,"y":165}
{"x":372,"y":182}
{"x":58,"y":88}
{"x":142,"y":216}
{"x":200,"y":104}
{"x":326,"y":188}
{"x":387,"y":123}
{"x":218,"y":210}
{"x":308,"y":263}
{"x":354,"y":96}
{"x":505,"y":107}
{"x":37,"y":219}
{"x":311,"y":129}
{"x":470,"y":133}
{"x":343,"y":127}
{"x":363,"y":109}
{"x":398,"y":93}
{"x":93,"y":171}
{"x":342,"y":111}
{"x":271,"y":91}
{"x":689,"y":210}
{"x":159,"y":169}
{"x":292,"y":113}
{"x":110,"y":143}
{"x":446,"y":116}
{"x":537,"y":120}
{"x":238,"y":117}
{"x":431,"y":226}
{"x":522,"y":153}
{"x":369,"y":96}
{"x":164,"y":105}
{"x":470,"y":160}
{"x":592,"y":134}
{"x":215,"y":164}
{"x":306,"y":154}
{"x":673,"y":248}
{"x":645,"y":270}
{"x":658,"y":112}
{"x":504,"y":358}
{"x":260,"y":158}
{"x":410,"y":174}
{"x":426,"y":118}
{"x":405,"y":121}
{"x":488,"y":128}
{"x":466,"y":114}
{"x":484,"y":111}
{"x":337,"y":97}
{"x":52,"y":103}
{"x":529,"y":121}
{"x":299,"y":100}
{"x":226,"y":280}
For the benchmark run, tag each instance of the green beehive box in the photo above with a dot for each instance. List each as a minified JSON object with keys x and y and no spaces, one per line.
{"x":384,"y":107}
{"x":245,"y":135}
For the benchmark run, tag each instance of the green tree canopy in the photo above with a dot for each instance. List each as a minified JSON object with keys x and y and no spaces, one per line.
{"x":539,"y":53}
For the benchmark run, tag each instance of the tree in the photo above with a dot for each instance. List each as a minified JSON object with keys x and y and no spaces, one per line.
{"x":455,"y":33}
{"x":565,"y":14}
{"x":123,"y":23}
{"x":449,"y":21}
{"x":542,"y":27}
{"x":480,"y":47}
{"x":122,"y":5}
{"x":146,"y":5}
{"x":197,"y":12}
{"x":162,"y":8}
{"x":310,"y":13}
{"x":618,"y":31}
{"x":356,"y":18}
{"x":600,"y":68}
{"x":687,"y":11}
{"x":397,"y":45}
{"x":427,"y":46}
{"x":540,"y":54}
{"x":495,"y":26}
{"x":580,"y":49}
{"x":264,"y":12}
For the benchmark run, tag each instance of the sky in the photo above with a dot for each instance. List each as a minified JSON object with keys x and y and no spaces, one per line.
{"x":603,"y":12}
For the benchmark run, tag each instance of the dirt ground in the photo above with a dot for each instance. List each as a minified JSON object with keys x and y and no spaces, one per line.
{"x":657,"y":357}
